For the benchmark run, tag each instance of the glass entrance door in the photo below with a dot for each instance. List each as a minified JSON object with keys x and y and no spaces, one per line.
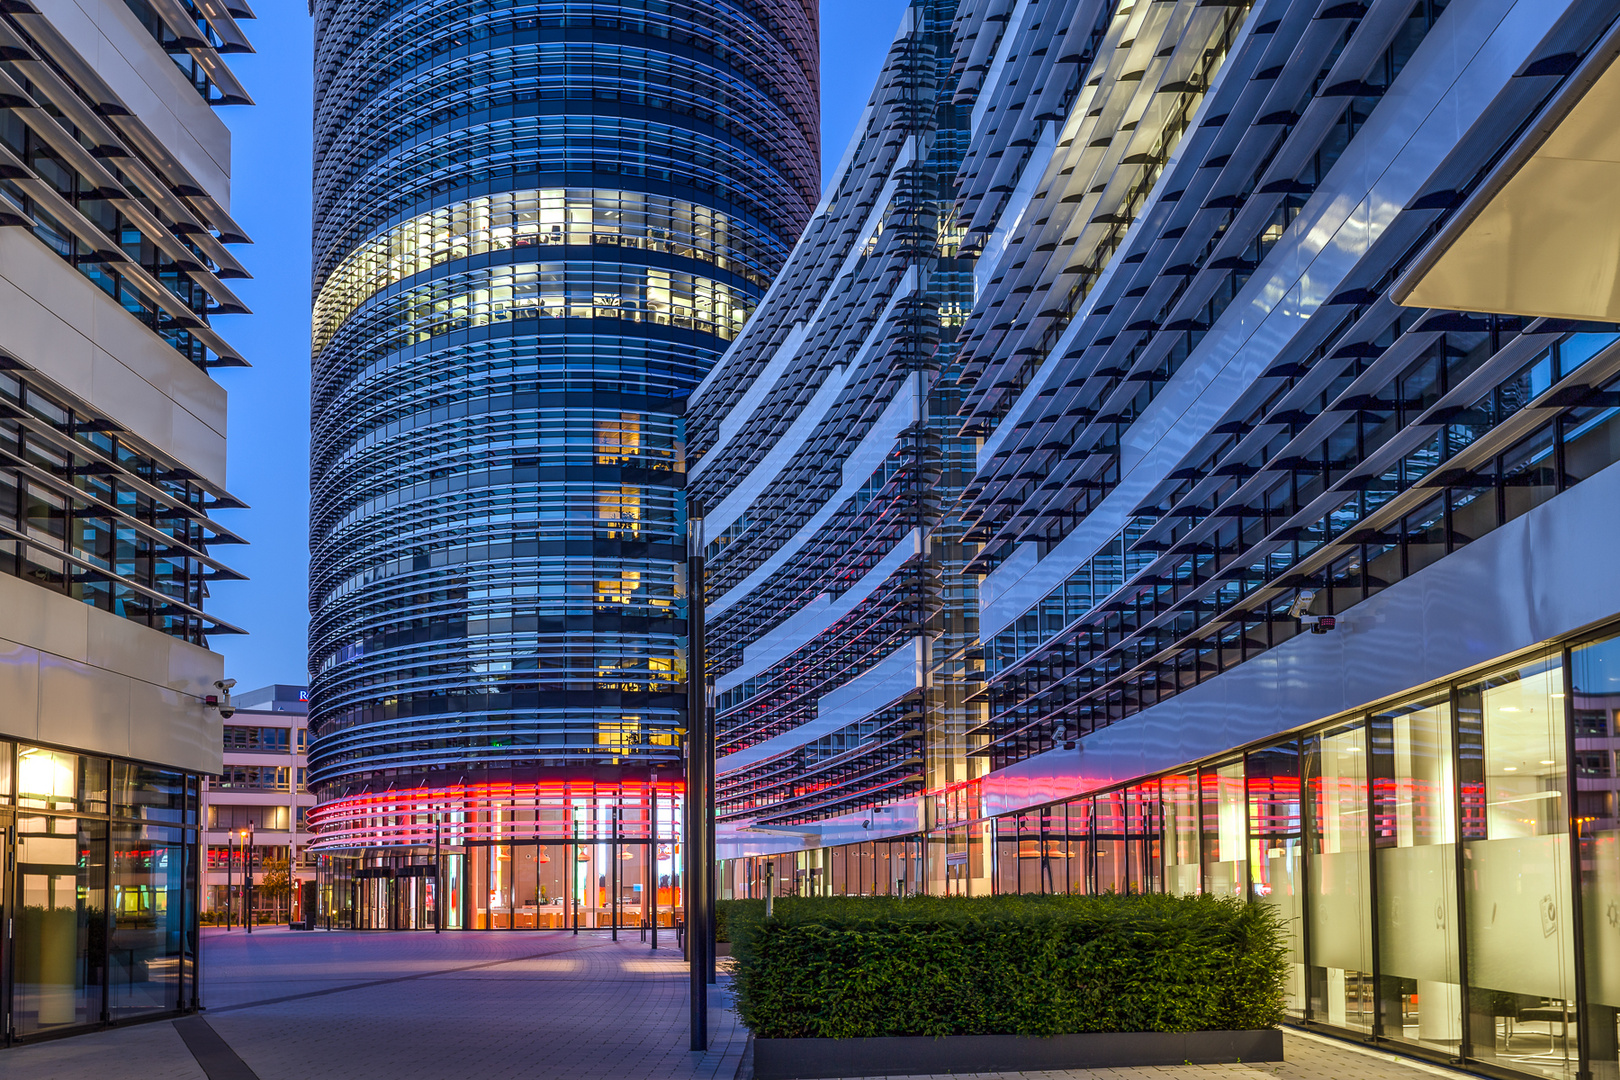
{"x":539,"y":884}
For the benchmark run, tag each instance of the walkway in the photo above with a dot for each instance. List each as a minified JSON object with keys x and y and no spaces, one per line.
{"x":489,"y":1006}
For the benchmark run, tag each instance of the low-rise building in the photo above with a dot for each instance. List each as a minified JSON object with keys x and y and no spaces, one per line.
{"x":253,"y":812}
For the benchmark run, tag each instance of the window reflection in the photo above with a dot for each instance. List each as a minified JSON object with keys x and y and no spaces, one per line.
{"x":59,"y":934}
{"x":1516,"y":870}
{"x":1225,"y":825}
{"x":1341,"y":945}
{"x":1179,"y":793}
{"x":1595,"y":706}
{"x":1275,"y":853}
{"x":1415,"y":821}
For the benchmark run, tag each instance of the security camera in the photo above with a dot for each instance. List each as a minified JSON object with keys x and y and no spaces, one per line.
{"x":222,"y":701}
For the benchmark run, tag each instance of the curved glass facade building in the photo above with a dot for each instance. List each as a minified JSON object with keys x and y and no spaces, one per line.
{"x":536,"y":228}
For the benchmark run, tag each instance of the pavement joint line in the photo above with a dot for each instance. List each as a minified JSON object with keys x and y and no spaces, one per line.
{"x":404,"y":978}
{"x":214,"y":1055}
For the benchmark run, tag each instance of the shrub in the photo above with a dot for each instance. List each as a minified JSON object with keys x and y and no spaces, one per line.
{"x":729,"y":913}
{"x":1008,"y":965}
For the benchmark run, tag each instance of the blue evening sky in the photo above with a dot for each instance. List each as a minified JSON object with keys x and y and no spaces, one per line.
{"x":269,"y":417}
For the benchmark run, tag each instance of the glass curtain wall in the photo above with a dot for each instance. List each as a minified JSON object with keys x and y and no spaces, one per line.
{"x":102,"y":891}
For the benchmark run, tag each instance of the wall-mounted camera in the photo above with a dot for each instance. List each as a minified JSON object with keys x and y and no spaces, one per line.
{"x":1318,"y":624}
{"x":222,"y":700}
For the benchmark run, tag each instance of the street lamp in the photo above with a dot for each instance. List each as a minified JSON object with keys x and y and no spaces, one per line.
{"x":247,"y":877}
{"x":230,"y":868}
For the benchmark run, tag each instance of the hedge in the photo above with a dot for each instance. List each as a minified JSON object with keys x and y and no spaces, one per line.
{"x":1006,"y":965}
{"x":727,"y":911}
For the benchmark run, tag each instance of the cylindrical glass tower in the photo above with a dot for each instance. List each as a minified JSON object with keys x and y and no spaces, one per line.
{"x":537,"y":225}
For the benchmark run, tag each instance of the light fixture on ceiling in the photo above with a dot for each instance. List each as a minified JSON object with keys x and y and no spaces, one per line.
{"x":1510,"y":768}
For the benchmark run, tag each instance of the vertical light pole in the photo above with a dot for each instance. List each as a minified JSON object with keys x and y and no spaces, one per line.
{"x":652,"y":860}
{"x":613,"y":871}
{"x":438,"y":871}
{"x":230,"y":883}
{"x":696,"y":841}
{"x":247,"y":877}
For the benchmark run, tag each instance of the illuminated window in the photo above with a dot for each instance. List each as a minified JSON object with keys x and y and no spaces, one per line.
{"x":540,"y":218}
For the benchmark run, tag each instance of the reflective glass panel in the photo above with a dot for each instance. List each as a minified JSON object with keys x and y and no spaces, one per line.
{"x":1110,"y":843}
{"x":1415,"y":831}
{"x":1276,"y":845}
{"x":145,"y":921}
{"x":1006,"y":855}
{"x":1225,"y":830}
{"x":61,"y":927}
{"x":1179,"y":797}
{"x":1340,"y":960}
{"x":1516,"y":873}
{"x":1595,"y":705}
{"x":1145,"y":829}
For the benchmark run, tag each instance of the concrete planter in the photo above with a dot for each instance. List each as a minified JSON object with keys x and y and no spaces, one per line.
{"x":816,"y":1059}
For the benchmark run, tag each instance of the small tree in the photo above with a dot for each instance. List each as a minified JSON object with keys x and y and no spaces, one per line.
{"x":276,"y":883}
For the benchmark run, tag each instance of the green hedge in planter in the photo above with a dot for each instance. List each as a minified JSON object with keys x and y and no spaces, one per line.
{"x":727,"y":912}
{"x":1007,"y":965}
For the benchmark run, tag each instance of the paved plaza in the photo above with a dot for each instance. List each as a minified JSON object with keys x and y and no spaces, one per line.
{"x":487,"y":1006}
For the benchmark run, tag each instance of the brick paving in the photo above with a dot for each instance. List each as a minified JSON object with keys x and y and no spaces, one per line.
{"x":492,"y":1006}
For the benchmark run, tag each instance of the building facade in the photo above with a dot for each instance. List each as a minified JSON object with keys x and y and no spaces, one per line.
{"x":826,"y":450}
{"x":536,"y":227}
{"x":254,"y":813}
{"x":114,"y":215}
{"x":1292,"y":360}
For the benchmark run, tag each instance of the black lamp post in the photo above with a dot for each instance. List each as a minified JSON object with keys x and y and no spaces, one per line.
{"x":247,"y":878}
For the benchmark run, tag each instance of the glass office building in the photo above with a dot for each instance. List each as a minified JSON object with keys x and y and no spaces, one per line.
{"x":536,"y":228}
{"x":827,"y":452}
{"x":1293,"y":365}
{"x":114,"y":225}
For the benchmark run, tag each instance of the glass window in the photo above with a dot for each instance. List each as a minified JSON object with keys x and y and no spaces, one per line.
{"x":152,"y":794}
{"x":1275,"y":848}
{"x":1053,"y":851}
{"x":1516,"y":873}
{"x":47,"y":779}
{"x":1145,"y":831}
{"x":61,"y":905}
{"x":1006,"y":856}
{"x":1179,"y":796}
{"x":1595,"y":686}
{"x":1109,"y":823}
{"x":1340,"y":960}
{"x":1225,"y":830}
{"x":146,"y":920}
{"x":1415,"y":831}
